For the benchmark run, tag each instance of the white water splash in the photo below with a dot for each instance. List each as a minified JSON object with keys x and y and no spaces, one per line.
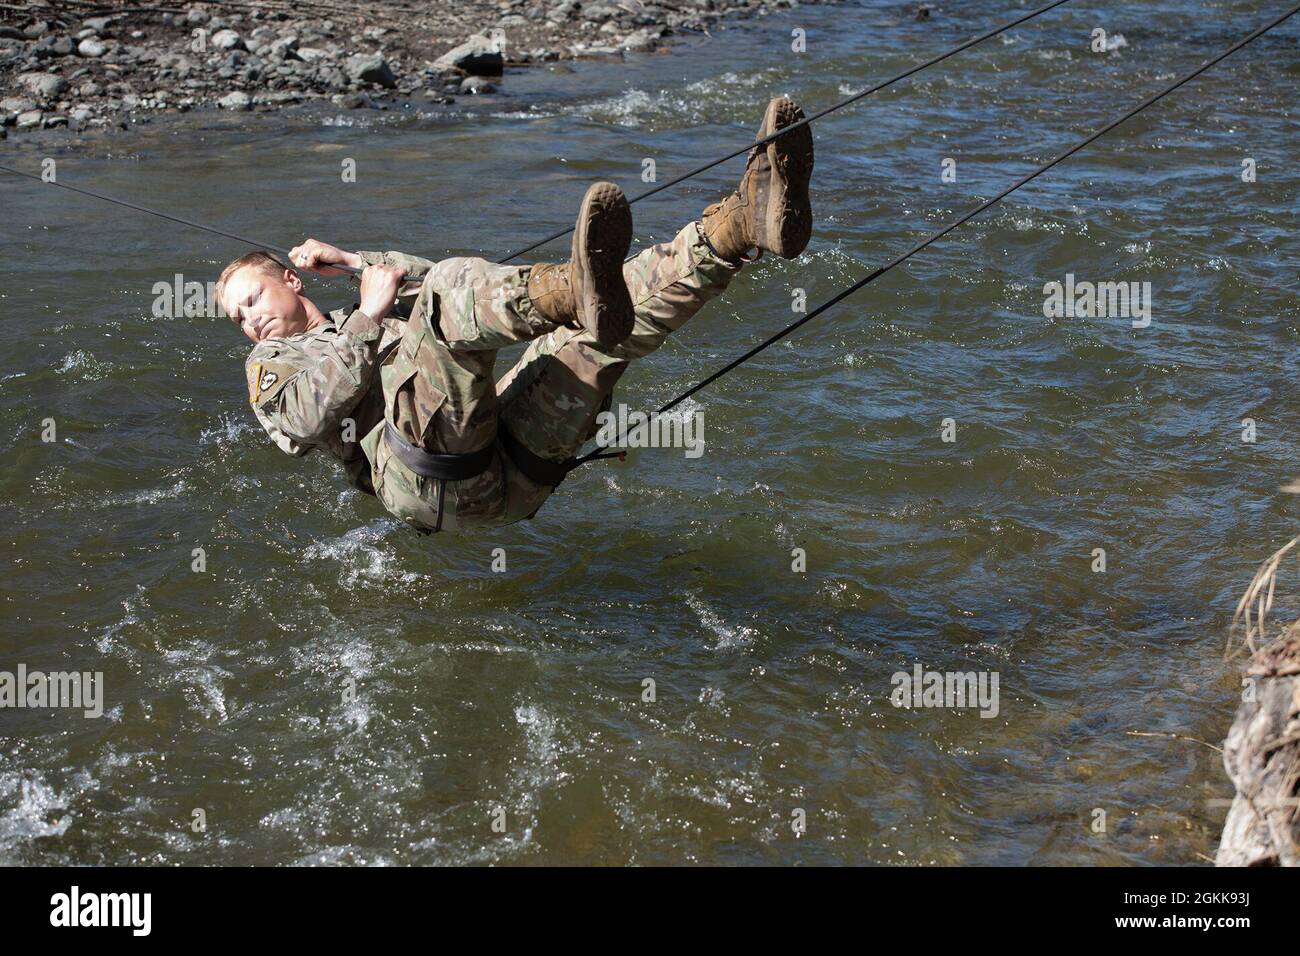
{"x":151,"y":497}
{"x":362,"y":556}
{"x":36,"y":809}
{"x":227,"y":430}
{"x":728,"y":637}
{"x":90,"y":368}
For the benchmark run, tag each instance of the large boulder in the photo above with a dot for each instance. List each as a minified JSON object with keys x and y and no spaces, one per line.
{"x":478,"y":56}
{"x":371,"y":68}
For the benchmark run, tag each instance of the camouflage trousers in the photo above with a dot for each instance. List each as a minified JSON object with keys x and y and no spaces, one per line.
{"x":440,"y":394}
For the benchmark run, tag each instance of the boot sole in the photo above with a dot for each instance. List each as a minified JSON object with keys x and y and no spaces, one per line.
{"x":600,"y":244}
{"x":788,"y":222}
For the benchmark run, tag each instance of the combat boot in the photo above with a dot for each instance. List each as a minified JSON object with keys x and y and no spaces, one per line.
{"x":770,"y":211}
{"x":589,"y":291}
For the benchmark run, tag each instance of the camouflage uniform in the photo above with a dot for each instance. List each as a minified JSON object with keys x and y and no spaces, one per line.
{"x":433,"y":378}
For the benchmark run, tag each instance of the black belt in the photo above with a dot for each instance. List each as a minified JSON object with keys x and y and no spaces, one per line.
{"x":538,"y":470}
{"x":441,"y":466}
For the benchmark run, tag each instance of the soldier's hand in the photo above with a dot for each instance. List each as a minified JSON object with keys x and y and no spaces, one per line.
{"x":316,"y":256}
{"x":379,"y":285}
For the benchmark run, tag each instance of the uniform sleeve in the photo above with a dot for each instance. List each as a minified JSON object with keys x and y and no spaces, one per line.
{"x":415,"y":267}
{"x":301,"y":394}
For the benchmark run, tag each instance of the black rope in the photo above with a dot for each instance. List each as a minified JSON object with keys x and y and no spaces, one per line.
{"x":602,"y":452}
{"x":148,"y":211}
{"x":804,"y":122}
{"x":162,"y":215}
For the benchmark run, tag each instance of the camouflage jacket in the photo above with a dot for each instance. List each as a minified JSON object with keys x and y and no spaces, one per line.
{"x":320,"y":389}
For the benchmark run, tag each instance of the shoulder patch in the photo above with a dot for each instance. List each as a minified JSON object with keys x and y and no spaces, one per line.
{"x":266,"y":378}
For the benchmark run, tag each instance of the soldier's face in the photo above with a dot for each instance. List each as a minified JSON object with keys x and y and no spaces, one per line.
{"x":266,"y":306}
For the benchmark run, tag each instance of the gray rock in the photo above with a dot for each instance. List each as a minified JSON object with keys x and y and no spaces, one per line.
{"x":175,"y":61}
{"x":477,"y":85}
{"x":227,"y":40}
{"x":10,"y":33}
{"x":311,"y":54}
{"x":330,"y":77}
{"x":371,"y":68}
{"x":98,"y":24}
{"x":284,"y":49}
{"x":50,"y":46}
{"x":477,"y":56}
{"x":350,"y":101}
{"x":29,"y":120}
{"x":36,"y":30}
{"x":196,"y":17}
{"x":646,"y":39}
{"x":91,"y":47}
{"x":43,"y":85}
{"x":238,"y":100}
{"x":562,"y":12}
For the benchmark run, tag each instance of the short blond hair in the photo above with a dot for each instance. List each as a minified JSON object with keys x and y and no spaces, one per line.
{"x":258,"y":259}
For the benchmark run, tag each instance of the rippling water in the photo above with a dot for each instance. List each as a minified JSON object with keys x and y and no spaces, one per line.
{"x":478,"y":692}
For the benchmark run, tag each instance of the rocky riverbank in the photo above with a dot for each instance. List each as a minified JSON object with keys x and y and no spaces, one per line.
{"x":82,"y":64}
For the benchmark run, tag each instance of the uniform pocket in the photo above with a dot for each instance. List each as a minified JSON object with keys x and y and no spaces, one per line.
{"x":459,"y":323}
{"x":411,"y":401}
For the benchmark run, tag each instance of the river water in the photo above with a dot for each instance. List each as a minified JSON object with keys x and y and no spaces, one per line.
{"x":333,"y":688}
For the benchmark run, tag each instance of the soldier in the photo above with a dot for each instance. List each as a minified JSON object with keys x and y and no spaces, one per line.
{"x":411,"y":409}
